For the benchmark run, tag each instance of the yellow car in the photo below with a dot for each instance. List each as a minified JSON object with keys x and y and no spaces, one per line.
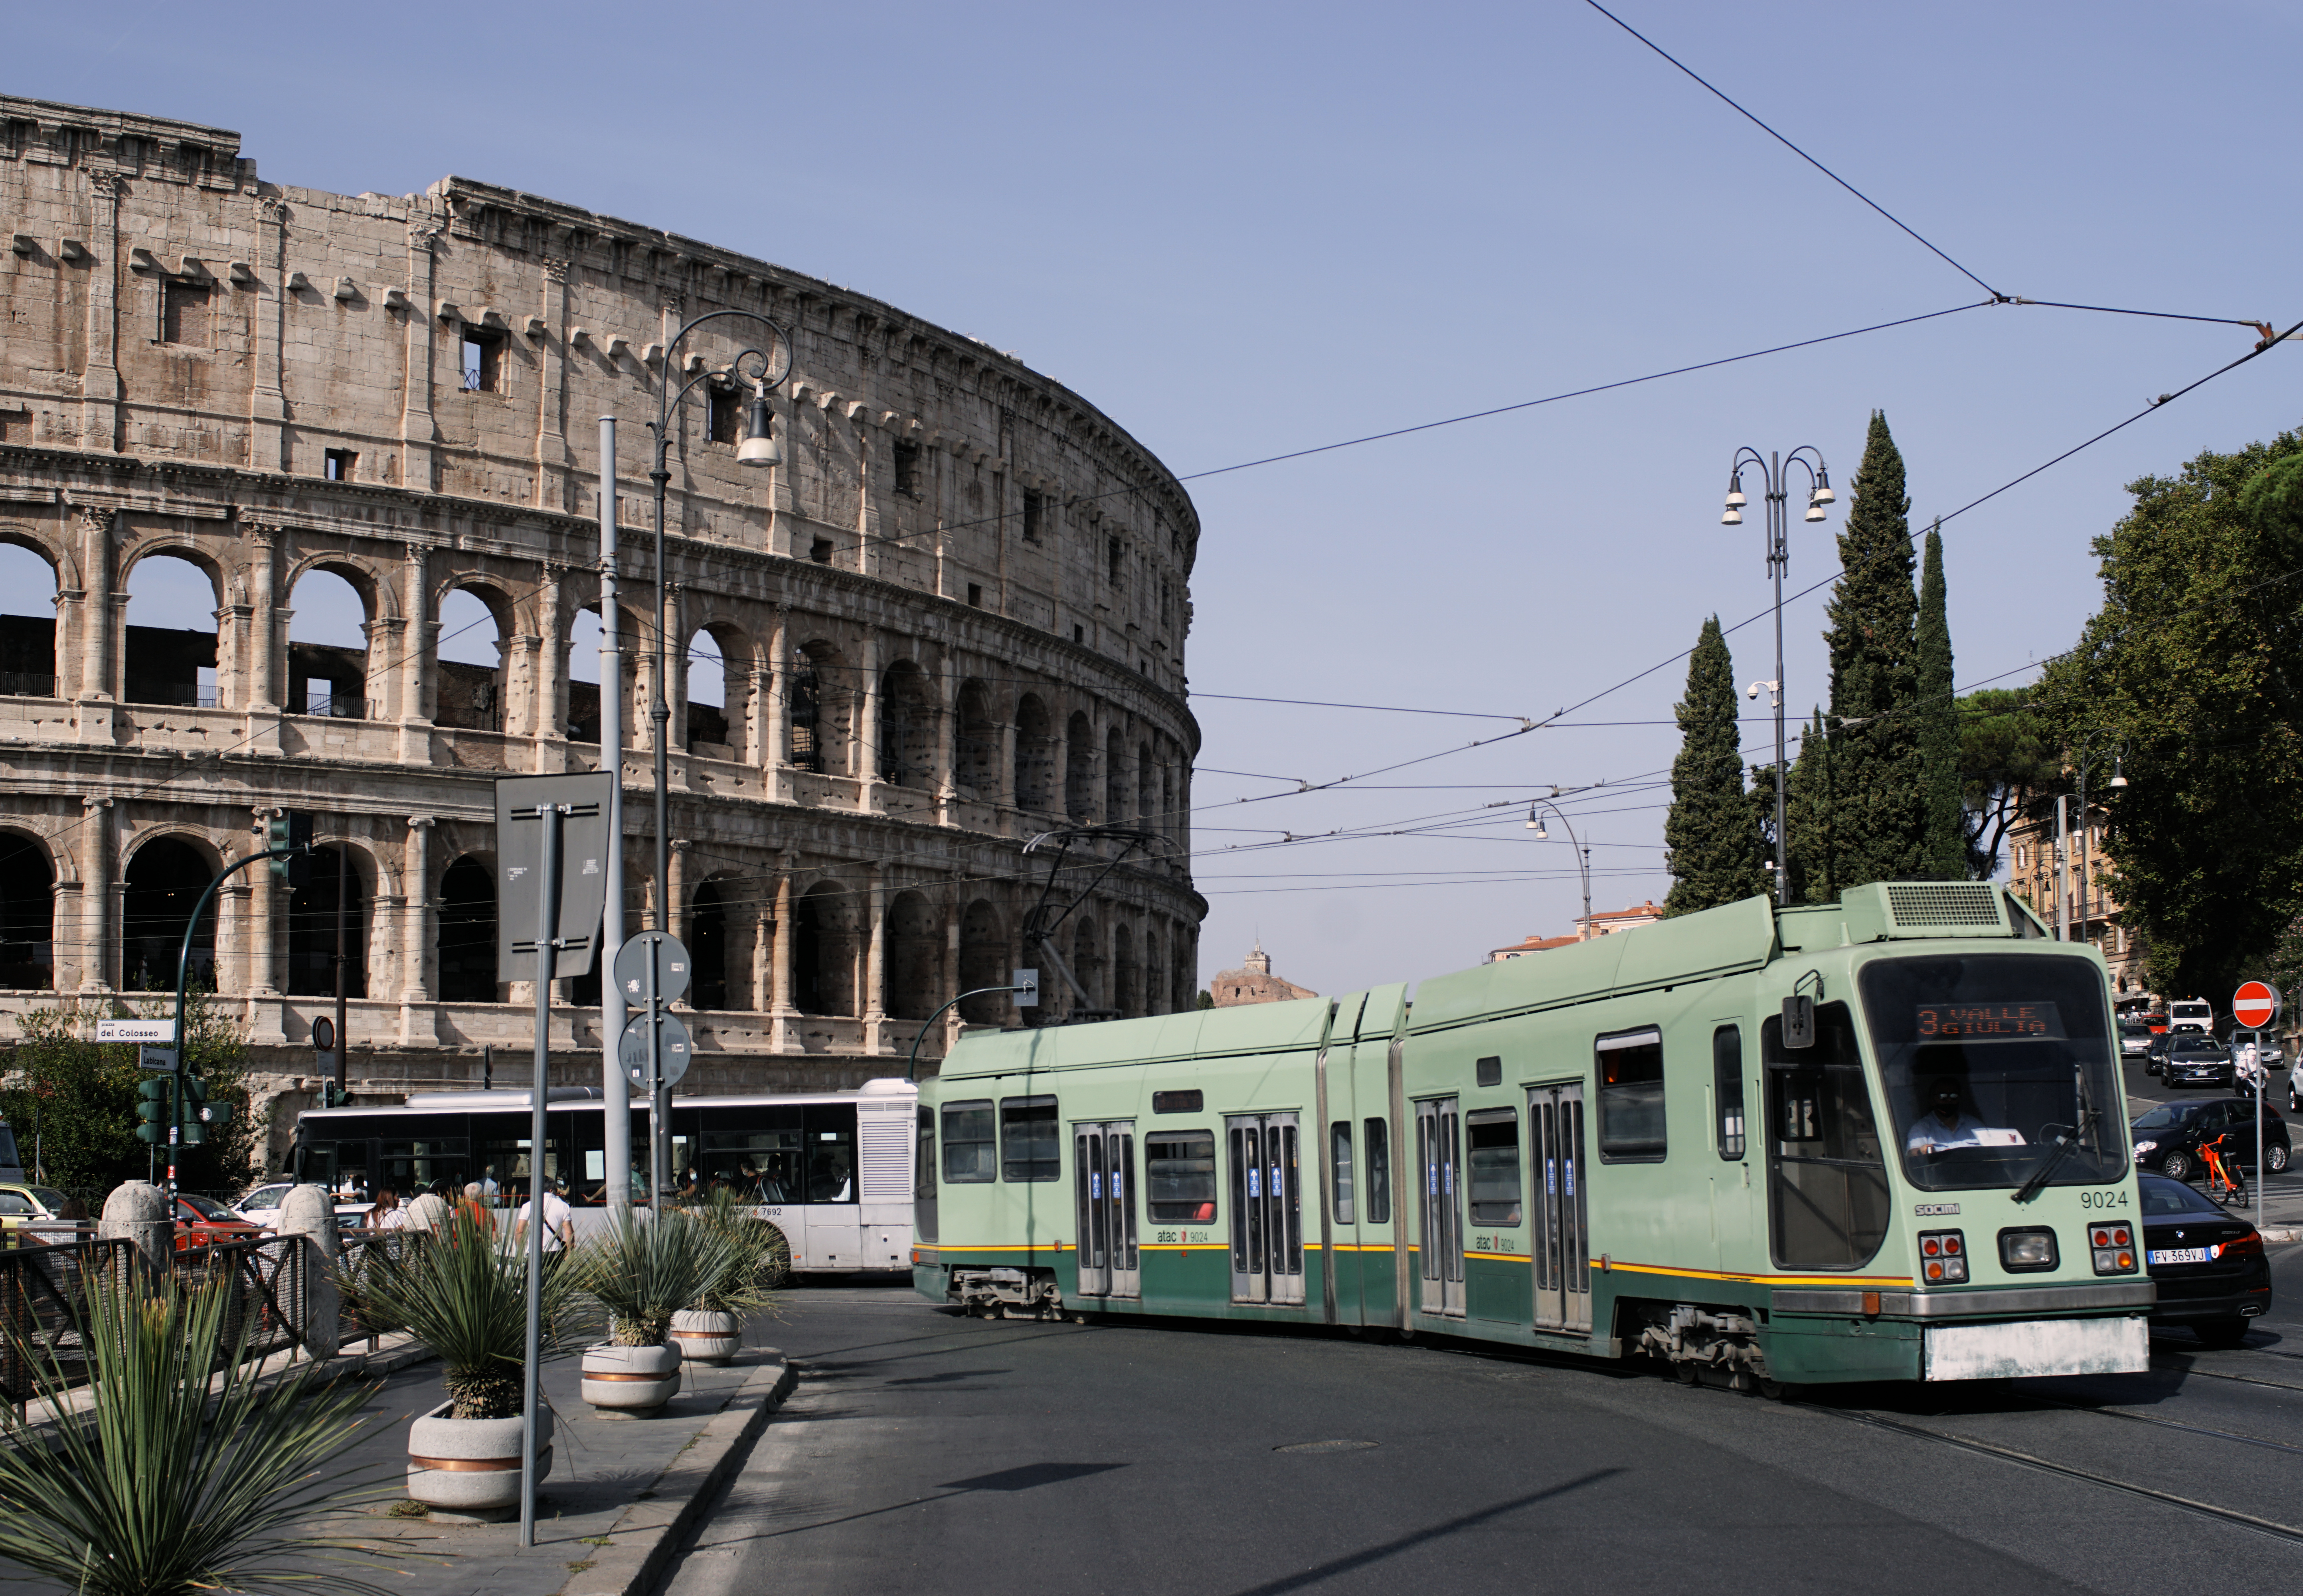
{"x":22,"y":1205}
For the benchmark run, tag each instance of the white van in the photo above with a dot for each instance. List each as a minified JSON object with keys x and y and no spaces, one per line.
{"x":2191,"y":1014}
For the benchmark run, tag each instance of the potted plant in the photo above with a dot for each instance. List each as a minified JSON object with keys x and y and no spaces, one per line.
{"x":462,"y":1291}
{"x":710,"y":1329}
{"x":642,"y":1271}
{"x":178,"y":1469}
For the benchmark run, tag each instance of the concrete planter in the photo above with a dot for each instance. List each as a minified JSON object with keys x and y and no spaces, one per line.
{"x":471,"y":1466}
{"x":630,"y":1379}
{"x":706,"y":1335}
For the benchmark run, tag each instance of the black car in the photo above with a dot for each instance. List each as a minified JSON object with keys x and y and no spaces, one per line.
{"x":2208,"y":1264}
{"x":2155,"y":1056}
{"x":2167,"y":1139}
{"x":2194,"y":1059}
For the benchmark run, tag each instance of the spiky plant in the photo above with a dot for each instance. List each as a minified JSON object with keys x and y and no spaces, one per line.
{"x":462,"y":1291}
{"x":179,"y":1471}
{"x":643,"y":1270}
{"x":758,"y":1258}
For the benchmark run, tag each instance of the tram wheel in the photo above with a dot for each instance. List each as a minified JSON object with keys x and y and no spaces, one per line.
{"x":1686,"y":1374}
{"x":1775,"y":1390}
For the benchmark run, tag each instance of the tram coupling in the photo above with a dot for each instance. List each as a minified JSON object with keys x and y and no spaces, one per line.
{"x":1008,"y":1293}
{"x":1687,"y":1335}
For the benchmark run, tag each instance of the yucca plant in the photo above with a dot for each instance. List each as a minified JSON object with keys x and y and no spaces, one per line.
{"x":643,"y":1270}
{"x":181,"y":1473}
{"x":462,"y":1291}
{"x":758,"y":1258}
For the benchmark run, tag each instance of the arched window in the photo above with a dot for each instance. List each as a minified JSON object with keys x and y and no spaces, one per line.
{"x":1155,"y":974}
{"x":914,"y":953}
{"x":163,"y":881}
{"x":28,"y":907}
{"x":312,"y":928}
{"x":707,"y":931}
{"x":1035,"y":755}
{"x":982,"y":962}
{"x":907,"y":755}
{"x":1087,"y":963}
{"x":470,"y":673}
{"x":824,"y":952}
{"x":975,"y":745}
{"x":327,"y":649}
{"x":1079,"y":769}
{"x":583,"y":676}
{"x":720,"y":663}
{"x":1124,"y":994}
{"x":467,"y":932}
{"x":823,"y":695}
{"x":171,"y":645}
{"x":1115,"y":779}
{"x":1147,"y":790}
{"x":28,"y":625}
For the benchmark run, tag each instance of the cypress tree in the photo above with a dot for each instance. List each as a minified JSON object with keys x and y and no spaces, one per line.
{"x":1945,"y":857}
{"x":1713,"y":852}
{"x":1811,"y":812}
{"x":1878,"y":816}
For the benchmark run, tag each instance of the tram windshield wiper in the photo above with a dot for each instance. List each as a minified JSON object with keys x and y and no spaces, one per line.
{"x":2051,"y":1163}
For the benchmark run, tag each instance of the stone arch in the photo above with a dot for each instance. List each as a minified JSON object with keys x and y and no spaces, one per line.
{"x":471,"y":662}
{"x":1147,"y":790}
{"x":162,"y":880}
{"x":1087,"y":962}
{"x":982,"y":962}
{"x":31,"y":644}
{"x":330,"y":666}
{"x":906,"y":752}
{"x":1155,"y":971}
{"x":310,"y":921}
{"x":465,"y":943}
{"x":823,"y":951}
{"x":1035,"y":755}
{"x":914,"y":955}
{"x":721,"y":663}
{"x":162,"y":659}
{"x":1115,"y":778}
{"x":1127,"y":995}
{"x":822,"y":693}
{"x":708,"y":943}
{"x":1079,"y":767}
{"x":975,"y":743}
{"x":28,"y":913}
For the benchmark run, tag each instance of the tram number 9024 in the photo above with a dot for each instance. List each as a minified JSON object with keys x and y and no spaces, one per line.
{"x":1184,"y":1237}
{"x":2111,"y":1199}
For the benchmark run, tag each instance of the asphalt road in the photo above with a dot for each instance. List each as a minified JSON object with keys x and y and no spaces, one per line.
{"x":926,"y":1452}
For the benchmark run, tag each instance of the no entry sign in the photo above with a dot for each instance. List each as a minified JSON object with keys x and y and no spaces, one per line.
{"x":2255,"y":1005}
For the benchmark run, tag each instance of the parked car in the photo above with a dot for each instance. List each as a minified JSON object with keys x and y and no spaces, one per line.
{"x":2194,"y":1059}
{"x":22,"y":1205}
{"x":2154,"y":1057}
{"x":262,"y":1206}
{"x":203,"y":1221}
{"x":2168,"y":1137}
{"x":2208,"y":1262}
{"x":2134,"y":1039}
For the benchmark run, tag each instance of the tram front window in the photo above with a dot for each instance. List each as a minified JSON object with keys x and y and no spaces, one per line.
{"x":1988,"y":1060}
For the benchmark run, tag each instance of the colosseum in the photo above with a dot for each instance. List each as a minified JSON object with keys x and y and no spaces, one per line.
{"x":299,"y":501}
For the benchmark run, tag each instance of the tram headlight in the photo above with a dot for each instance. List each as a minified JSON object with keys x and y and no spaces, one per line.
{"x":2027,"y":1252}
{"x":1943,"y":1257}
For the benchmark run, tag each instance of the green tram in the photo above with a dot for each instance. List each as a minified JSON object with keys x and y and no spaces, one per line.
{"x":1879,"y":1139}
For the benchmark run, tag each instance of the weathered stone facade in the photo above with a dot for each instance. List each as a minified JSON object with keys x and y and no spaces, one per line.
{"x":954,"y":617}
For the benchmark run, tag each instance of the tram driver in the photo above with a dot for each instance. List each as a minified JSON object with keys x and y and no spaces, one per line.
{"x":1948,"y":1124}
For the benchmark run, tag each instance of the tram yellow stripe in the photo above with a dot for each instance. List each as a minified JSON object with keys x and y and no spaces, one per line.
{"x":1750,"y":1279}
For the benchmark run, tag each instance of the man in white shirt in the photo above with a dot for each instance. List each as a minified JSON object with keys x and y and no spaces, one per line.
{"x":559,"y":1223}
{"x":1949,"y":1126}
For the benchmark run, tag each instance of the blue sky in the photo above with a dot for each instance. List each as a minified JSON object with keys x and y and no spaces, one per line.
{"x":1242,"y":230}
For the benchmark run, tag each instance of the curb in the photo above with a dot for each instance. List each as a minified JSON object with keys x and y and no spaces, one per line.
{"x":649,"y":1532}
{"x":2275,"y":1234}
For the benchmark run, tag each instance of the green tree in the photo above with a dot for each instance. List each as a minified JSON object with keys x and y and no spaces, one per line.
{"x":1944,"y":854}
{"x":1713,"y":851}
{"x":1876,"y":795}
{"x":2008,"y":770}
{"x":72,"y":1104}
{"x":2191,"y":668}
{"x":1812,"y":816}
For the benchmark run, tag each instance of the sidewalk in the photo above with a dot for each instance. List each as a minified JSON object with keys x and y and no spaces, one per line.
{"x":621,"y":1493}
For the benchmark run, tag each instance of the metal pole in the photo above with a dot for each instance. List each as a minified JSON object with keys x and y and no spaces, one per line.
{"x":2082,"y":887}
{"x":615,"y":1093}
{"x":183,"y":973}
{"x":343,"y":892}
{"x":2062,"y":867}
{"x":547,"y":923}
{"x":912,"y":1068}
{"x":660,"y":705}
{"x":656,"y":1148}
{"x":1779,"y":557}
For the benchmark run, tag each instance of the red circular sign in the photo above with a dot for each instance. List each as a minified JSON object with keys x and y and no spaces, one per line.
{"x":2255,"y":1005}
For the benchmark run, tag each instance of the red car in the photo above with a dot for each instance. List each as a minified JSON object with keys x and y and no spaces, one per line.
{"x":201,"y":1223}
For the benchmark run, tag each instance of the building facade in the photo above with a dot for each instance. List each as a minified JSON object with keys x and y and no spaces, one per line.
{"x":952,"y":618}
{"x":1606,"y":922}
{"x":2076,"y":882}
{"x":1254,"y":982}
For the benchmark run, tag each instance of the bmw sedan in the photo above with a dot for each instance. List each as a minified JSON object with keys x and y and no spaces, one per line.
{"x":2168,"y":1138}
{"x":2208,"y":1265}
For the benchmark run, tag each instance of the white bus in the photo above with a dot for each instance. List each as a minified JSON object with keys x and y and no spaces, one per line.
{"x":832,"y":1171}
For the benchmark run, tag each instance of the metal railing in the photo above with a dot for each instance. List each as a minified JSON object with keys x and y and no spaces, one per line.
{"x":27,"y":684}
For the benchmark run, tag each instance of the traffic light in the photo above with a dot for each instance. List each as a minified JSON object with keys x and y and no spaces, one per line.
{"x":197,"y":1115}
{"x":288,"y":838}
{"x":153,"y":1108}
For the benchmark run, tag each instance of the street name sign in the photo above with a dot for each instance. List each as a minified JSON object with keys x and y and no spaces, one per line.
{"x":2255,"y":1005}
{"x":163,"y":1031}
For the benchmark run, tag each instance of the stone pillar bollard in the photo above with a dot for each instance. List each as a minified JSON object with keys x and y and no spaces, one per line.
{"x":313,"y":1305}
{"x":139,"y":1210}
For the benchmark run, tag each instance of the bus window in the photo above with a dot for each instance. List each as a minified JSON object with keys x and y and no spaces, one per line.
{"x":1629,"y":1067}
{"x":1339,"y":1169}
{"x":412,"y":1166}
{"x":967,"y":1146}
{"x":1379,"y":1172}
{"x":756,"y":1153}
{"x":830,"y":1132}
{"x":1179,"y":1177}
{"x":1027,"y":1139}
{"x":1727,"y":1088}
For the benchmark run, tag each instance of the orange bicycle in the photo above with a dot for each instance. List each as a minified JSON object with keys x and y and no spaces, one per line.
{"x":2226,"y":1182}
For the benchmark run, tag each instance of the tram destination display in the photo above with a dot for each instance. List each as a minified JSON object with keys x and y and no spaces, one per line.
{"x":1989,"y":1022}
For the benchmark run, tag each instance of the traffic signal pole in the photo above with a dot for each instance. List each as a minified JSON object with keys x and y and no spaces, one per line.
{"x":183,"y":982}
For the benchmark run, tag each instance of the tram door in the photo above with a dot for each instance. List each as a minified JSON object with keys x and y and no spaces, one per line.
{"x":1439,"y":1149}
{"x":1267,"y":1209}
{"x":1560,"y":1237}
{"x":1104,"y":1164}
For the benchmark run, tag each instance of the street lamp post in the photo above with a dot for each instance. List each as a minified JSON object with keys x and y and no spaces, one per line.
{"x":1773,"y":471}
{"x":1582,"y":854}
{"x":757,"y":447}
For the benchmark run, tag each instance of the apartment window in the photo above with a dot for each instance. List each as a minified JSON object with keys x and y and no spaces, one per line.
{"x":1494,"y":1166}
{"x":908,"y":469}
{"x":726,"y":415}
{"x":184,"y":314}
{"x":1031,"y":510}
{"x":1112,"y":555}
{"x":820,"y":551}
{"x":967,"y":1142}
{"x":1027,"y":1139}
{"x":1179,"y":1177}
{"x":1339,"y":1170}
{"x":1378,"y":1179}
{"x":976,"y":595}
{"x":337,"y":464}
{"x":483,"y":362}
{"x":1727,"y":1088}
{"x":1629,"y":1067}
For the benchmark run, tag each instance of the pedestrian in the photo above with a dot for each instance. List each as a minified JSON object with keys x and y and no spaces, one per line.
{"x":559,"y":1223}
{"x":475,"y":1206}
{"x":387,"y":1214}
{"x":488,"y":1190}
{"x":426,"y":1211}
